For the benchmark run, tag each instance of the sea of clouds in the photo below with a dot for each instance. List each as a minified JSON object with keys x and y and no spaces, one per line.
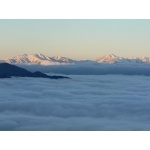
{"x":84,"y":102}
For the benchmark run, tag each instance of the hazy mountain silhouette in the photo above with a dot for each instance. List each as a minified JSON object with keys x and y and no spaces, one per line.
{"x":8,"y":70}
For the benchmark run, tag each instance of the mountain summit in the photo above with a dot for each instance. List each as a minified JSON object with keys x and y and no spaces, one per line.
{"x":108,"y":59}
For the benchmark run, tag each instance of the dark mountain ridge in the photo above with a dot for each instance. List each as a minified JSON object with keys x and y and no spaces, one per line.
{"x":8,"y":70}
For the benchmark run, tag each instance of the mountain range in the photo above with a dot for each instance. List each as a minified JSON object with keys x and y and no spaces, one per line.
{"x":40,"y":59}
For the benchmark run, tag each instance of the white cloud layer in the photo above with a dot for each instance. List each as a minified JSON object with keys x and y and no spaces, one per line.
{"x":106,"y":102}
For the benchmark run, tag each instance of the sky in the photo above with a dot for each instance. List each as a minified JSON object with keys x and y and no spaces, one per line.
{"x":75,"y":38}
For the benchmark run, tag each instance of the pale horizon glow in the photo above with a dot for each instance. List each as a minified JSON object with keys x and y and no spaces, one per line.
{"x":76,"y":39}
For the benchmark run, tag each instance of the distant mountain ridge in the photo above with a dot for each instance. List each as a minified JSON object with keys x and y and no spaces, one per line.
{"x":40,"y":59}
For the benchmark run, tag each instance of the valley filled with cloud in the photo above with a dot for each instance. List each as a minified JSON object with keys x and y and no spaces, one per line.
{"x":84,"y":102}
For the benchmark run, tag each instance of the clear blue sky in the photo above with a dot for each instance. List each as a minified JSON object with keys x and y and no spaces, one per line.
{"x":79,"y":39}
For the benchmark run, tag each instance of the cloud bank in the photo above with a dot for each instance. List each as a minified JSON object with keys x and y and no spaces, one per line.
{"x":106,"y":102}
{"x":93,"y":69}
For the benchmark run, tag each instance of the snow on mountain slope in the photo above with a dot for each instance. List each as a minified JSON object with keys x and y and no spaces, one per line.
{"x":116,"y":59}
{"x":108,"y":59}
{"x":39,"y":59}
{"x":62,"y":59}
{"x":142,"y":59}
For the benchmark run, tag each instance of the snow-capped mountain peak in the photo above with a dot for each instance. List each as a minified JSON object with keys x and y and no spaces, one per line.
{"x":111,"y":56}
{"x":63,"y":59}
{"x":111,"y":59}
{"x":41,"y":56}
{"x":39,"y":59}
{"x":108,"y":59}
